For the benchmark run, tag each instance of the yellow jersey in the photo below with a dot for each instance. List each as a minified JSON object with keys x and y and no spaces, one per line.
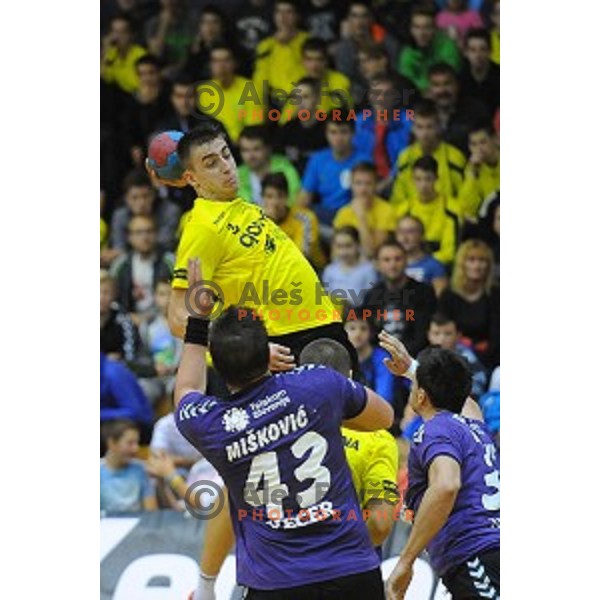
{"x":441,"y":225}
{"x":451,"y":164}
{"x":373,"y":460}
{"x":121,"y":70}
{"x":476,"y":188}
{"x":280,"y":65}
{"x":252,"y":262}
{"x":103,"y":233}
{"x":380,"y":217}
{"x":240,"y":106}
{"x":302,"y":226}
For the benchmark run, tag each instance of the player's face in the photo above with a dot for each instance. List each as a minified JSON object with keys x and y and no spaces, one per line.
{"x":443,"y":89}
{"x":424,"y":182}
{"x":476,"y":267}
{"x":308,"y":99}
{"x":285,"y":16}
{"x":140,"y":199}
{"x":358,"y":333}
{"x":344,"y":248}
{"x":162,"y":294}
{"x":275,"y":203}
{"x":212,"y":168}
{"x":371,"y":66}
{"x":444,"y":336}
{"x":363,"y":185}
{"x":120,"y":33}
{"x":339,"y":137}
{"x":315,"y":63}
{"x":422,"y":30}
{"x":359,"y":20}
{"x":127,"y":446}
{"x":142,"y":235}
{"x":382,"y":95}
{"x":391,"y":263}
{"x":222,"y":65}
{"x":183,"y":99}
{"x":425,"y":130}
{"x":481,"y":146}
{"x":408,"y":233}
{"x":477,"y":53}
{"x":255,"y":153}
{"x":107,"y":295}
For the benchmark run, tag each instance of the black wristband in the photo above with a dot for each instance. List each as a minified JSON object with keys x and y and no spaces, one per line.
{"x":196,"y":331}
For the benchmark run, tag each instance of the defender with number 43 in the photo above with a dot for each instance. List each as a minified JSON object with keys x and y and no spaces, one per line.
{"x":276,"y":443}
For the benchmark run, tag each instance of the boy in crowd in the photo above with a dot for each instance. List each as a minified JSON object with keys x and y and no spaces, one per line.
{"x":348,"y":271}
{"x":372,"y":216}
{"x":124,"y":483}
{"x":428,"y":141}
{"x":300,"y":224}
{"x":444,"y":333}
{"x":435,"y":211}
{"x":420,"y":265}
{"x":259,"y":161}
{"x":141,"y":200}
{"x":137,"y":271}
{"x":327,"y":174}
{"x":401,"y":306}
{"x":482,"y":175}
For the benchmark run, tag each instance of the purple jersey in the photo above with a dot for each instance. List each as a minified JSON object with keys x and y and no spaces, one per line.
{"x":474,"y":523}
{"x":279,"y":449}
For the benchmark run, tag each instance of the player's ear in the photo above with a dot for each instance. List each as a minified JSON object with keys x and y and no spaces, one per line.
{"x":189,"y":177}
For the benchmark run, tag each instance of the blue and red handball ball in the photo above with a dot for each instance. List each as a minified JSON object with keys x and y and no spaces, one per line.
{"x":162,"y":155}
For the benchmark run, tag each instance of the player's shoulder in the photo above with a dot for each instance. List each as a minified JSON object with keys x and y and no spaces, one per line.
{"x":442,"y":426}
{"x":193,"y":406}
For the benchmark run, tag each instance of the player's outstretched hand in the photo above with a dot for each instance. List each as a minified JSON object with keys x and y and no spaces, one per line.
{"x":177,"y":183}
{"x":281,"y":358}
{"x":399,"y":580}
{"x":200,"y":300}
{"x":400,"y":359}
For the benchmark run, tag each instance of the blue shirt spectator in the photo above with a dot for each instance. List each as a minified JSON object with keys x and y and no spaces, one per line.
{"x":426,"y":269}
{"x":121,"y":396}
{"x":124,"y":489}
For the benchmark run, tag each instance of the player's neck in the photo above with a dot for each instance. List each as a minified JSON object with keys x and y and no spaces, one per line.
{"x":414,"y":255}
{"x":428,"y":412}
{"x":343,"y":154}
{"x":364,"y":353}
{"x":202,"y":193}
{"x":114,"y":461}
{"x":234,"y":389}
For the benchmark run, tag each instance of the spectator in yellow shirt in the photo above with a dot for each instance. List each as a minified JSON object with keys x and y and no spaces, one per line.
{"x":372,"y":216}
{"x":335,"y":86}
{"x":300,"y":224}
{"x":432,"y":208}
{"x":234,"y":104}
{"x":279,"y":57}
{"x":482,"y":175}
{"x":120,"y":55}
{"x":428,"y":142}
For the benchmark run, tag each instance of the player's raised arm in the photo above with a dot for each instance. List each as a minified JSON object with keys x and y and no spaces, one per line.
{"x":191,"y":375}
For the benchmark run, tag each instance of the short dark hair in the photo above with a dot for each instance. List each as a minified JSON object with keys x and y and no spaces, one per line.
{"x":315,"y":44}
{"x":441,"y":319}
{"x":148,"y":59}
{"x":312,"y":82}
{"x":478,"y":34}
{"x":426,"y":108}
{"x":340,"y":118}
{"x":213,"y":9}
{"x":441,"y":69}
{"x":364,"y":167}
{"x":183,"y":80}
{"x":482,"y":126}
{"x":256,"y":132}
{"x":414,"y":219}
{"x":136,"y":178}
{"x":124,"y":17}
{"x":239,"y":346}
{"x":390,"y":243}
{"x":445,"y":377}
{"x":114,"y":430}
{"x":348,"y":230}
{"x":426,"y":163}
{"x":422,"y":10}
{"x":374,"y":50}
{"x":329,"y":353}
{"x":205,"y":132}
{"x":223,"y":46}
{"x":277,"y":181}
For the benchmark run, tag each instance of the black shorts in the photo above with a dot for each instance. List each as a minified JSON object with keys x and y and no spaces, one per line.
{"x":334,"y":331}
{"x":361,"y":586}
{"x":476,"y":578}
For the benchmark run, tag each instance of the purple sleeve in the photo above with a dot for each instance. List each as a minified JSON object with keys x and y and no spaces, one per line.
{"x":352,"y":396}
{"x":186,"y":413}
{"x":310,"y":181}
{"x":438,"y":442}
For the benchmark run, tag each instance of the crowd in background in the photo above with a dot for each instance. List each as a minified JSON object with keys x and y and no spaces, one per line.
{"x":393,"y":194}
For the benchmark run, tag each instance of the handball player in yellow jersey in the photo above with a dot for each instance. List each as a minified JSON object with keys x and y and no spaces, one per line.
{"x":246,"y":257}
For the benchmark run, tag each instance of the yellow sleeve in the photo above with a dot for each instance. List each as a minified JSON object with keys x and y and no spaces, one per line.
{"x":196,"y":241}
{"x":401,"y":188}
{"x":386,"y":217}
{"x":449,"y":237}
{"x":380,"y":479}
{"x":341,"y":218}
{"x":470,"y":199}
